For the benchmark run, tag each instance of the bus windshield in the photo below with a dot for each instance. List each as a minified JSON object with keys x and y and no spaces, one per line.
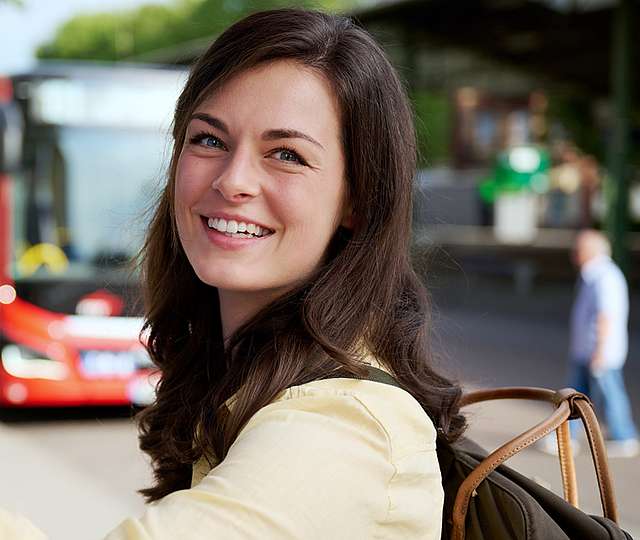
{"x":85,"y":196}
{"x":95,"y":156}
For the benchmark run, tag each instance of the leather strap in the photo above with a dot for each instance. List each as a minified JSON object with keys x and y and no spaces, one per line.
{"x":569,"y":404}
{"x":599,"y":456}
{"x":567,"y":465}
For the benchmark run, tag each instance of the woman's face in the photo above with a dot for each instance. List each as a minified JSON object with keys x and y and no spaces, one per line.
{"x":260,"y":187}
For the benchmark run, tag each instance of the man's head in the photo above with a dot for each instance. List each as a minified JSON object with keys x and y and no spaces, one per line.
{"x":588,"y":245}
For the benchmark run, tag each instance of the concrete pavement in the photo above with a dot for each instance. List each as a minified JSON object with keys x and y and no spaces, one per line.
{"x":74,"y":479}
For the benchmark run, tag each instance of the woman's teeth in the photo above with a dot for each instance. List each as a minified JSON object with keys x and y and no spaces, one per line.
{"x":236,"y":229}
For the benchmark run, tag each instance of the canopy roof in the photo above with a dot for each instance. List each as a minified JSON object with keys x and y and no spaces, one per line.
{"x":566,"y":40}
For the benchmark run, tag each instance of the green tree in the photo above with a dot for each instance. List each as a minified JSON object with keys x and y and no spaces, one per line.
{"x":136,"y":33}
{"x":433,"y":120}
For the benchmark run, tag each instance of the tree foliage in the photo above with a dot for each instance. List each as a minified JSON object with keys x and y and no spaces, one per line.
{"x":433,"y":120}
{"x":138,"y":32}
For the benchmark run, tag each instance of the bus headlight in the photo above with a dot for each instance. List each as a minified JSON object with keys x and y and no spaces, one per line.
{"x":22,"y":362}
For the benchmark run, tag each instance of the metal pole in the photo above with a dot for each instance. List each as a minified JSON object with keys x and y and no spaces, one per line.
{"x":620,"y":142}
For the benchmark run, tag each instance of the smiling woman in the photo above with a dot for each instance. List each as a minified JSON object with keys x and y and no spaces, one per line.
{"x":277,"y":281}
{"x":263,"y":152}
{"x":277,"y":269}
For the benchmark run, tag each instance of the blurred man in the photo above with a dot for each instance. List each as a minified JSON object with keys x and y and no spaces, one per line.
{"x":599,"y":340}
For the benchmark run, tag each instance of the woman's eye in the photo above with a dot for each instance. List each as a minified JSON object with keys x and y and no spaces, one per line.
{"x":210,"y":141}
{"x":284,"y":154}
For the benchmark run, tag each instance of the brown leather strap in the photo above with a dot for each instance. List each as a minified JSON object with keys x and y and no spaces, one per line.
{"x":567,"y":465}
{"x":511,"y":392}
{"x":581,"y":408}
{"x":569,"y":404}
{"x":493,"y":460}
{"x":599,"y":456}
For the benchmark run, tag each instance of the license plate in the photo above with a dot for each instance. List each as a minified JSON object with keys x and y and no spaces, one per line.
{"x":121,"y":364}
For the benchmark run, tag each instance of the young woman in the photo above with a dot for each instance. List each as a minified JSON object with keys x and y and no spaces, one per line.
{"x":276,"y":269}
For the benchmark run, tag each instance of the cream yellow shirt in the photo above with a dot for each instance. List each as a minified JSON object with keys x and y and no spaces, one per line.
{"x":328,"y":460}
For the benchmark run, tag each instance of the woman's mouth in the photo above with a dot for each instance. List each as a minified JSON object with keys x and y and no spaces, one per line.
{"x":236,"y":229}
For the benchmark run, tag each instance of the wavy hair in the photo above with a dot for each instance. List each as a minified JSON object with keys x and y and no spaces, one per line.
{"x":363,"y":296}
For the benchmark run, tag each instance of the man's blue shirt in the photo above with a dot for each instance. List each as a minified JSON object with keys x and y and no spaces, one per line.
{"x":601,"y":288}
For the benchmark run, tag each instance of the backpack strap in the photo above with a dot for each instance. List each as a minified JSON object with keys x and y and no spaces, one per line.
{"x":378,"y":375}
{"x":373,"y":374}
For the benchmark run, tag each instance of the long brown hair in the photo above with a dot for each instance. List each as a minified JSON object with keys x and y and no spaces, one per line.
{"x":364,"y":293}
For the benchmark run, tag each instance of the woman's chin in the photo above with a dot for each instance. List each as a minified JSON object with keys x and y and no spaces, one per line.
{"x":235,"y":282}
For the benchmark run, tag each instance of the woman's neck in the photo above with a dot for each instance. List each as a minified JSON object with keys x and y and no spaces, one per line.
{"x":237,"y":307}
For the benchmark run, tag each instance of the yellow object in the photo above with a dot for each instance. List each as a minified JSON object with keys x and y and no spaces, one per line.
{"x":15,"y":526}
{"x":337,"y":458}
{"x":43,"y":254}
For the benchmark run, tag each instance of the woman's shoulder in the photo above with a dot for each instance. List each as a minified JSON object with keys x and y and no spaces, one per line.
{"x":390,"y":412}
{"x":344,"y":412}
{"x":380,"y":436}
{"x":365,"y":450}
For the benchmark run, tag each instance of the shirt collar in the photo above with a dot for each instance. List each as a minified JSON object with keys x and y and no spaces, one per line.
{"x":590,"y":270}
{"x":363,"y":355}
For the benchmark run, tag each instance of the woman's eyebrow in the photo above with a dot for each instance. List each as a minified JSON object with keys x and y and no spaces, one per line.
{"x":212,"y":121}
{"x":270,"y":135}
{"x":274,"y":134}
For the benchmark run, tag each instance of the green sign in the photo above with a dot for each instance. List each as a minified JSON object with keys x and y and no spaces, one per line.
{"x":520,"y":168}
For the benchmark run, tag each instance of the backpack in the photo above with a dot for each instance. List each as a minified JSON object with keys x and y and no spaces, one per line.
{"x":485,"y":500}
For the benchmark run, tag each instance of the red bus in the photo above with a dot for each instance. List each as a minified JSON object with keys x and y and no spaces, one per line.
{"x":82,"y":153}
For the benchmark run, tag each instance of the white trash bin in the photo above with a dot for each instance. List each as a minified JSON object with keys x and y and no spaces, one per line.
{"x":516,"y":217}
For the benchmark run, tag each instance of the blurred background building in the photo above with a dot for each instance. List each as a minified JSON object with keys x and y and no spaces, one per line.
{"x":490,"y":78}
{"x":484,"y":77}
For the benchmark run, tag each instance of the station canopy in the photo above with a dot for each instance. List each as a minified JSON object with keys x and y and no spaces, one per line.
{"x":566,"y":41}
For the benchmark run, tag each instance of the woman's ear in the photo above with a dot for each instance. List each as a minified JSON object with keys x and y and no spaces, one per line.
{"x":348,"y":219}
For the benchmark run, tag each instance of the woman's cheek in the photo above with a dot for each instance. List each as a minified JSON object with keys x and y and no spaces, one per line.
{"x":192,"y":179}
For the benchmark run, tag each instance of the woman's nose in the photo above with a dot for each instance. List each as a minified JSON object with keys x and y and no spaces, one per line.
{"x":239,"y":180}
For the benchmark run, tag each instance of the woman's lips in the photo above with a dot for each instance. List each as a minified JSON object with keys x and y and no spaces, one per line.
{"x":238,"y":220}
{"x":233,"y":226}
{"x":229,"y":240}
